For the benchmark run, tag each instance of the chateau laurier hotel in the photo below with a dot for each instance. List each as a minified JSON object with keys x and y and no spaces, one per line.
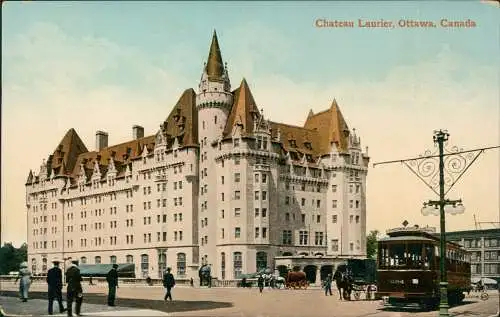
{"x":217,"y":184}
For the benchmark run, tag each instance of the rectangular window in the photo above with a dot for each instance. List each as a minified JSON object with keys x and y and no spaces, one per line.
{"x":303,"y":237}
{"x":335,"y":245}
{"x":264,"y":233}
{"x":287,"y":237}
{"x":257,"y":195}
{"x":257,"y":178}
{"x":264,"y":178}
{"x":237,"y":212}
{"x":264,"y":212}
{"x":237,"y":177}
{"x":257,"y":232}
{"x":264,"y":195}
{"x":334,"y":218}
{"x":237,"y":232}
{"x":257,"y":212}
{"x":237,"y":195}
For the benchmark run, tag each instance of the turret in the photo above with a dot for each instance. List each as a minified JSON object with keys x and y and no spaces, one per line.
{"x":214,"y":98}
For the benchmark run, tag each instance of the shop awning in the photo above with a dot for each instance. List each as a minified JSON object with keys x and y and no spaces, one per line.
{"x":124,"y":270}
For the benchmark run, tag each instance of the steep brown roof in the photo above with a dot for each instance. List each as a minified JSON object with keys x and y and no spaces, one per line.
{"x":183,"y":120}
{"x":122,"y":154}
{"x":331,"y":126}
{"x":214,"y":68}
{"x":243,"y":111}
{"x":66,"y":153}
{"x":182,"y":123}
{"x":297,"y":139}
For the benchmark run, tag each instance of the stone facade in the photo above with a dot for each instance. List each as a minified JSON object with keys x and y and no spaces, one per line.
{"x":218,"y":184}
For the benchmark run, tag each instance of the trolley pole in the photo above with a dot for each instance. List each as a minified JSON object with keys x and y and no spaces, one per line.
{"x":451,"y":166}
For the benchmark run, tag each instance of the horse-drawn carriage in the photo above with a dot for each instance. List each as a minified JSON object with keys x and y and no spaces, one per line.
{"x":356,"y":277}
{"x":296,"y":279}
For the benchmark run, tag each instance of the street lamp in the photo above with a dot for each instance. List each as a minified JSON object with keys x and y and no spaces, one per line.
{"x":450,"y":168}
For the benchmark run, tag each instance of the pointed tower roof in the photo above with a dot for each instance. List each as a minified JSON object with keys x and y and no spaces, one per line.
{"x":214,"y":67}
{"x":332,"y":128}
{"x":68,"y":150}
{"x":29,"y":180}
{"x":243,"y":110}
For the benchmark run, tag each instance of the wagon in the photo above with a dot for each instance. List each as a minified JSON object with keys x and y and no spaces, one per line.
{"x":363,"y":276}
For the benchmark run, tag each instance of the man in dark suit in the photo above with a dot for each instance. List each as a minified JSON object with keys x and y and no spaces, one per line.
{"x":112,"y":279}
{"x":54,"y":281}
{"x":168,"y":283}
{"x":74,"y":291}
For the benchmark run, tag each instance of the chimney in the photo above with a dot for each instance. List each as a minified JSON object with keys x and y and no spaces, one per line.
{"x":101,"y":140}
{"x":137,"y":132}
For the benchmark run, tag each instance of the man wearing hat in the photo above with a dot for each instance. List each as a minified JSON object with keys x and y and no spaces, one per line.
{"x":112,"y":279}
{"x":54,"y":281}
{"x":168,"y":283}
{"x":74,"y":292}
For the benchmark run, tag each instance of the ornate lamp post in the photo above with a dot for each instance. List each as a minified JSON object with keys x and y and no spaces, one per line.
{"x":451,"y":165}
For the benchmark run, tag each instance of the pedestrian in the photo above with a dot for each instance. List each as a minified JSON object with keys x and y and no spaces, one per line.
{"x":74,"y":291}
{"x":54,"y":282}
{"x":328,"y":284}
{"x":260,"y":283}
{"x":168,"y":283}
{"x":112,"y":279}
{"x":191,"y":282}
{"x":24,"y":285}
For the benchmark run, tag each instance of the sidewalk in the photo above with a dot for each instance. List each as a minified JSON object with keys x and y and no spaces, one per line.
{"x":12,"y":306}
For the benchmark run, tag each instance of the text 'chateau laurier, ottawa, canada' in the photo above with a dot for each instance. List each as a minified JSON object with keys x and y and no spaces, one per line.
{"x":218,"y":184}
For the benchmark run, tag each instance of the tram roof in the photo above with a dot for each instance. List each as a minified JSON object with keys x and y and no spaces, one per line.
{"x":406,"y":238}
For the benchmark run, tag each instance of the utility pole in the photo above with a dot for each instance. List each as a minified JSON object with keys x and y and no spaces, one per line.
{"x":451,"y":166}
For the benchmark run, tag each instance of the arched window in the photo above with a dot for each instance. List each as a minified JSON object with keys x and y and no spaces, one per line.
{"x":237,"y":264}
{"x":144,"y":265}
{"x":181,"y":264}
{"x":261,"y":262}
{"x":223,"y":265}
{"x":44,"y":265}
{"x":130,"y":258}
{"x":97,"y":260}
{"x":33,"y":265}
{"x":112,"y":259}
{"x":83,"y":260}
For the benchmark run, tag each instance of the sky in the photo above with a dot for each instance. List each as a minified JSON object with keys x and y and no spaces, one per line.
{"x":110,"y":65}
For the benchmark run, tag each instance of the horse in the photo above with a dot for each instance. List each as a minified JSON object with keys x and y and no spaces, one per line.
{"x":344,"y":284}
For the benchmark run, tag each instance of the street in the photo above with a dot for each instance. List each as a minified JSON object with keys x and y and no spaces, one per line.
{"x":148,"y":301}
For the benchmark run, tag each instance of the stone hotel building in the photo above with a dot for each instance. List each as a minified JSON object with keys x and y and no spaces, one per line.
{"x":217,"y":184}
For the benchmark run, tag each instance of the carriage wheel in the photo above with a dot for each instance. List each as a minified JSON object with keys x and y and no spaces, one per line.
{"x":484,"y":296}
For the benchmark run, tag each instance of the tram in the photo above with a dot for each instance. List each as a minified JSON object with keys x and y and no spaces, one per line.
{"x":409,"y":268}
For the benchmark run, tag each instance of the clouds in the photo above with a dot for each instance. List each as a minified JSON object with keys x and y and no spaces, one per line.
{"x":55,"y":80}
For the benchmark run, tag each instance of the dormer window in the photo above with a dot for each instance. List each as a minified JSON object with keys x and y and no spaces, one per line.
{"x":308,"y":145}
{"x":236,"y":142}
{"x":309,"y":157}
{"x":292,"y":143}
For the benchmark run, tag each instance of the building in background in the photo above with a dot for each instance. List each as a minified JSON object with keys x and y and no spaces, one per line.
{"x":218,"y":184}
{"x":484,"y":248}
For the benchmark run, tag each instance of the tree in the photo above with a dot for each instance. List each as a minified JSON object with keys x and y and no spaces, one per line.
{"x":11,"y":257}
{"x":371,"y":244}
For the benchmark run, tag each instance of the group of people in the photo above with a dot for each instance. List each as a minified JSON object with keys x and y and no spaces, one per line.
{"x":74,"y":290}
